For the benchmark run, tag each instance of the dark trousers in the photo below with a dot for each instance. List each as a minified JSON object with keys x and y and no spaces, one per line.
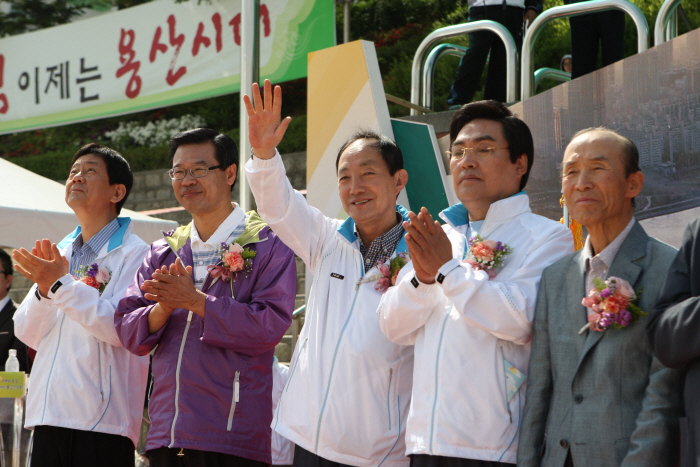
{"x":303,"y":458}
{"x":471,"y":66}
{"x":168,"y":457}
{"x":65,"y":447}
{"x":423,"y":460}
{"x":606,"y":28}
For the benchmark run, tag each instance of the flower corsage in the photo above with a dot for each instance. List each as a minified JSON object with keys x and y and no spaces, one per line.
{"x":614,"y":303}
{"x":486,"y":255}
{"x":389,"y":273}
{"x":233,"y":258}
{"x":95,"y":276}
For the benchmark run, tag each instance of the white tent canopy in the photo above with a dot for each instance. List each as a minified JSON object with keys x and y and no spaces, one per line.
{"x":33,"y":207}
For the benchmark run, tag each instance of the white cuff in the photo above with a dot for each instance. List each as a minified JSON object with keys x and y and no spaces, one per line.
{"x":265,"y":163}
{"x":445,"y":269}
{"x":60,"y":284}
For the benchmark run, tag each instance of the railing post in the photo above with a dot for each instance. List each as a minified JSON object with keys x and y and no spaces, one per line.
{"x":668,"y":8}
{"x":458,"y":30}
{"x":567,"y":11}
{"x":429,"y":69}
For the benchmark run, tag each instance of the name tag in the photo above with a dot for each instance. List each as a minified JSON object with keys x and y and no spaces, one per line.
{"x":337,"y":276}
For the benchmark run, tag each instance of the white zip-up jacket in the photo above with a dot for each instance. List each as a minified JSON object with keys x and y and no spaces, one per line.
{"x":349,"y":387}
{"x":463,"y":329}
{"x":82,"y":377}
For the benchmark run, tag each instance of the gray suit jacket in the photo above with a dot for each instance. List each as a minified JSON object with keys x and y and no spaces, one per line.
{"x":602,"y":396}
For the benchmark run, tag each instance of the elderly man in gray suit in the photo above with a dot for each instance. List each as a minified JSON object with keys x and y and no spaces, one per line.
{"x":597,"y":397}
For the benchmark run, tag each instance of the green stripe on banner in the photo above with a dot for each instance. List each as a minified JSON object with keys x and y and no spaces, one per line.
{"x":425,"y":186}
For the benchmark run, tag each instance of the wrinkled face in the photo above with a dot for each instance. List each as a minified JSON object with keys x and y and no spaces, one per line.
{"x":367,"y":190}
{"x":594,"y":183}
{"x":88,"y":184}
{"x":481,"y":178}
{"x":206,"y":194}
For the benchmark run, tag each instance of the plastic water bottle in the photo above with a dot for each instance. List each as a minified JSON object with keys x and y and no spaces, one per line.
{"x":12,"y":364}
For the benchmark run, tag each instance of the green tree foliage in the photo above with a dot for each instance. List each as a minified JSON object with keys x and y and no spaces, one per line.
{"x":27,"y":15}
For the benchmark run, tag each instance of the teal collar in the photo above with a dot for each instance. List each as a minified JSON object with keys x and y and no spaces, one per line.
{"x":347,"y":228}
{"x":458,"y":215}
{"x":115,"y":240}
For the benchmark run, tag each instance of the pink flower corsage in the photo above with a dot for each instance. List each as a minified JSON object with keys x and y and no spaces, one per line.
{"x":614,"y":303}
{"x":95,"y":276}
{"x":486,"y":255}
{"x":389,"y":273}
{"x":233,"y":258}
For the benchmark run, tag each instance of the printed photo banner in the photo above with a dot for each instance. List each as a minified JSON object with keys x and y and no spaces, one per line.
{"x":149,"y":56}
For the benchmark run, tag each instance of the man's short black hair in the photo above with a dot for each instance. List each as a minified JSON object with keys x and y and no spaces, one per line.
{"x":225,"y":146}
{"x":515,"y":131}
{"x":390,"y":151}
{"x":629,"y":149}
{"x":118,"y":169}
{"x":6,"y":264}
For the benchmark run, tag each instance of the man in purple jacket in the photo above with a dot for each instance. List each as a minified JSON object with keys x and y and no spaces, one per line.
{"x":215,"y":296}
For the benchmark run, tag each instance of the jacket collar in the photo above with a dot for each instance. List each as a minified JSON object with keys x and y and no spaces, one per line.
{"x":347,"y":230}
{"x":626,"y":265}
{"x":116,"y":240}
{"x":499,"y":212}
{"x":180,"y":237}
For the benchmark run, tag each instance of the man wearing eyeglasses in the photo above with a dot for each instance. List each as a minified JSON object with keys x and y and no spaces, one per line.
{"x":467,"y":300}
{"x":216,"y":323}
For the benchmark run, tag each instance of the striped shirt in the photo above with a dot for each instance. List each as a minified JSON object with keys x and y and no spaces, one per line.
{"x":382,"y":247}
{"x":85,"y":254}
{"x":205,"y":254}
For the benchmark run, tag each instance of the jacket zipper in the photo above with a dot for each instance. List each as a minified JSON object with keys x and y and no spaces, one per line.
{"x":437,"y":359}
{"x":388,"y":397}
{"x":289,"y":380}
{"x":335,"y":354}
{"x":99,"y":372}
{"x":235,"y":399}
{"x":177,"y":378}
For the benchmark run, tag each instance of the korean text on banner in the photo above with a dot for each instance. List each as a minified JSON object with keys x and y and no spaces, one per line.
{"x":157,"y":54}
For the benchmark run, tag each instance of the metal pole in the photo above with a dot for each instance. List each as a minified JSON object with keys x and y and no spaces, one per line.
{"x":429,"y":69}
{"x":458,"y":30}
{"x":250,"y":69}
{"x":667,"y":10}
{"x":346,"y":22}
{"x":567,"y":11}
{"x":17,"y":429}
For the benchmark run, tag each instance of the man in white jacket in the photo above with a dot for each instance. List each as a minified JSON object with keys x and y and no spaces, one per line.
{"x":85,"y":402}
{"x":467,"y":300}
{"x":347,"y":396}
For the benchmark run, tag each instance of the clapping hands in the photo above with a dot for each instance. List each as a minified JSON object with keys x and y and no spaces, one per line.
{"x":44,"y":265}
{"x":427,"y":244}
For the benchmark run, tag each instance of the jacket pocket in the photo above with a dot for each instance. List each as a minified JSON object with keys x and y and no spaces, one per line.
{"x":234,"y":400}
{"x":296,"y":363}
{"x":687,"y":449}
{"x":622,"y":446}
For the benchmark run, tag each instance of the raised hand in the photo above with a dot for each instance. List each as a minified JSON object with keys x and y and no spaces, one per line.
{"x":265,"y":129}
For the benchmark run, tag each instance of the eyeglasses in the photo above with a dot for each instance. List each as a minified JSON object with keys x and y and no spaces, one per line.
{"x":457,"y":154}
{"x":196,"y":172}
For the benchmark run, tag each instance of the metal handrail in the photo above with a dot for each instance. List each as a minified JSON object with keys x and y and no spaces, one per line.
{"x":551,"y":73}
{"x":458,"y":30}
{"x":295,"y":324}
{"x":668,"y":8}
{"x":575,"y":9}
{"x":429,"y":69}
